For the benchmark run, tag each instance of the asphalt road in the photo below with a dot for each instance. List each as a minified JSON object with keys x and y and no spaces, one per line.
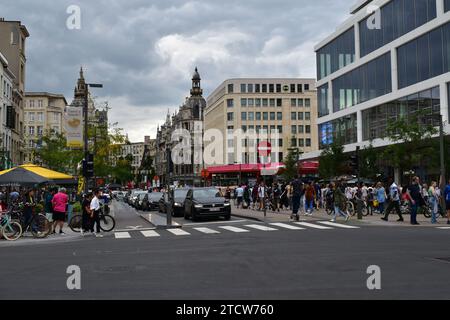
{"x":306,"y":263}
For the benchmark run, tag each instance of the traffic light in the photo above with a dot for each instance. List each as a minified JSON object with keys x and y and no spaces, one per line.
{"x":88,"y":166}
{"x":354,"y":160}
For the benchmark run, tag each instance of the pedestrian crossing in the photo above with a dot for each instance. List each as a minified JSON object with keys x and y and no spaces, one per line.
{"x":244,"y":229}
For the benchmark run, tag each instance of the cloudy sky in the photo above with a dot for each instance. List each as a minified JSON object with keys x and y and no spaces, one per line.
{"x":144,"y":51}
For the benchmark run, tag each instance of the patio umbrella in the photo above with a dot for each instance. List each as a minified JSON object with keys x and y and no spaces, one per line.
{"x":30,"y":174}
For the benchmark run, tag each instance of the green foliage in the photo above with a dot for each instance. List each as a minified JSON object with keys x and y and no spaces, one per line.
{"x":39,"y":208}
{"x":368,"y":162}
{"x":291,"y":168}
{"x":76,"y":207}
{"x":332,"y":160}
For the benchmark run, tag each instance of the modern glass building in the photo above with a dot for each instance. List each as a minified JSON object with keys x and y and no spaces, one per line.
{"x":389,"y":59}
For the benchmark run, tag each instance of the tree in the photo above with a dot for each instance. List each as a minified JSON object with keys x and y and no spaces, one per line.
{"x":55,"y":154}
{"x":332,"y":160}
{"x":123,"y":171}
{"x":368,"y":162}
{"x":290,"y":163}
{"x":411,"y":137}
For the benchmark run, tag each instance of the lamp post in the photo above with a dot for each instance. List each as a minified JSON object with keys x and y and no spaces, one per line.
{"x":240,"y":172}
{"x":86,"y":123}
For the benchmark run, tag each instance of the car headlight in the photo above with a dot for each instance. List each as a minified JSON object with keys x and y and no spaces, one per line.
{"x":176,"y":204}
{"x":198,"y":206}
{"x":226,"y":204}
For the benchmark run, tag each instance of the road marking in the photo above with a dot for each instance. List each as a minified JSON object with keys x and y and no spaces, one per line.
{"x":444,"y":228}
{"x":207,"y":230}
{"x":150,"y":234}
{"x":216,"y":222}
{"x":178,"y":232}
{"x":122,"y":235}
{"x":314,"y":226}
{"x":234,"y":229}
{"x":338,"y":225}
{"x":286,"y":226}
{"x":260,"y":227}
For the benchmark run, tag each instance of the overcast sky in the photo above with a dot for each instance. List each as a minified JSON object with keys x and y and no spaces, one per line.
{"x":145,"y":51}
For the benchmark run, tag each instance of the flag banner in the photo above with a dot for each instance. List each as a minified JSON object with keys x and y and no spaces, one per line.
{"x":74,"y":127}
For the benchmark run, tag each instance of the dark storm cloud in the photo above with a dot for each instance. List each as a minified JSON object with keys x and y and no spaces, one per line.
{"x":145,"y":51}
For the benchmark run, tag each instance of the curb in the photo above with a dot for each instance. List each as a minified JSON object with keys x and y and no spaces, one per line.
{"x":247,"y":217}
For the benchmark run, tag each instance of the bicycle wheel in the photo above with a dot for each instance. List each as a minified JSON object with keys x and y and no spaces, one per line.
{"x":40,"y":226}
{"x":107,"y":223}
{"x":365,"y":211}
{"x":351,"y":208}
{"x":426,"y":212}
{"x":12,"y":231}
{"x":76,"y":223}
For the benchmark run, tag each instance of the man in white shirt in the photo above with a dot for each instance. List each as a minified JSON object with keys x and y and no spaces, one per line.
{"x":239,"y":195}
{"x":95,"y":208}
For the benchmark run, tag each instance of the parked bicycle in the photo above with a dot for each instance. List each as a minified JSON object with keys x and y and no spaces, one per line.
{"x":11,"y":230}
{"x":107,"y":222}
{"x":39,"y":226}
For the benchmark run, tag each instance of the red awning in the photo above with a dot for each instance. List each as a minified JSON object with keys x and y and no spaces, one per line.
{"x":236,"y":168}
{"x":309,"y":167}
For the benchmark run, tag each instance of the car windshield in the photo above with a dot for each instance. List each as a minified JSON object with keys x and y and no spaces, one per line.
{"x":181,"y":193}
{"x":155,"y":195}
{"x":207,"y":193}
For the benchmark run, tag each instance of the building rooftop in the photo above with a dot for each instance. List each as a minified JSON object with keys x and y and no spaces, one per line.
{"x":46,"y":94}
{"x":359,"y":5}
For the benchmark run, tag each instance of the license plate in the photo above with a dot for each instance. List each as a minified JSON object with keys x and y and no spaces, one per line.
{"x":215,"y":209}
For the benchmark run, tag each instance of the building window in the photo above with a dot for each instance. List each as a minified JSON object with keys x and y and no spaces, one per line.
{"x":31,"y":116}
{"x":337,"y":54}
{"x":230,"y":103}
{"x":306,"y":87}
{"x":301,"y":143}
{"x":31,"y":131}
{"x":278,"y":88}
{"x":243,"y":88}
{"x":308,"y":142}
{"x":307,"y":103}
{"x":300,"y":102}
{"x":40,"y":117}
{"x":293,"y":102}
{"x":322,"y":96}
{"x":257,"y":88}
{"x":307,"y":129}
{"x":299,"y":88}
{"x":280,"y":129}
{"x":294,"y":129}
{"x":258,"y":116}
{"x":251,"y":116}
{"x":292,"y":88}
{"x":425,"y":57}
{"x":55,"y":117}
{"x":362,"y":84}
{"x":398,"y":17}
{"x":293,"y":115}
{"x":300,"y":116}
{"x":272,"y":116}
{"x":40,"y":131}
{"x":230,"y":116}
{"x":279,"y":102}
{"x":258,"y":102}
{"x":40,"y":102}
{"x":280,"y":143}
{"x":265,"y":102}
{"x":243,"y":102}
{"x":342,"y":130}
{"x":265,"y":116}
{"x":231,"y":88}
{"x":271,"y":88}
{"x":251,"y":102}
{"x":376,"y":120}
{"x":279,"y":116}
{"x":307,"y":116}
{"x":264,"y":88}
{"x":272,"y":102}
{"x":250,"y":88}
{"x":244,"y":129}
{"x":301,"y":129}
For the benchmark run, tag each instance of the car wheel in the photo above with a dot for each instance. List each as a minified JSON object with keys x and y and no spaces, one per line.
{"x":193,"y":215}
{"x":186,"y":216}
{"x":227,"y":217}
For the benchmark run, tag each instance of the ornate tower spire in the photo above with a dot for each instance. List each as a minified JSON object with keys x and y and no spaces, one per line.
{"x":196,"y":84}
{"x":80,"y":89}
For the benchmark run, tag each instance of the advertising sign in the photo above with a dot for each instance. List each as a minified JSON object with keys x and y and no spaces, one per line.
{"x":74,"y":127}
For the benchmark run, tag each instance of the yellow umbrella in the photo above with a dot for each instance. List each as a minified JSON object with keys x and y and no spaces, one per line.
{"x":35,"y":174}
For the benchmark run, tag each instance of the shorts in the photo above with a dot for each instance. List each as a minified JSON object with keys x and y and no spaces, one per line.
{"x":447,"y":204}
{"x":59,"y":216}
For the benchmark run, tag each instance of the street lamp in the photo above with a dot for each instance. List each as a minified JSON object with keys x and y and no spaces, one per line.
{"x":240,"y":172}
{"x":86,"y":123}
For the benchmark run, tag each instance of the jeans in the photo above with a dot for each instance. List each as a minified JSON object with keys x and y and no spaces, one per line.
{"x":434,"y":209}
{"x":309,"y":206}
{"x":28,"y":216}
{"x":337,"y":210}
{"x":381,"y":207}
{"x":295,"y":204}
{"x":414,"y":208}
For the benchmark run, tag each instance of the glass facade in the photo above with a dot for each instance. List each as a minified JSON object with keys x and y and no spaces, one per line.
{"x":362,"y":84}
{"x":376,"y":120}
{"x":425,"y":57}
{"x":342,"y":129}
{"x":447,"y":5}
{"x":398,"y":17}
{"x":336,"y":55}
{"x":322,"y":100}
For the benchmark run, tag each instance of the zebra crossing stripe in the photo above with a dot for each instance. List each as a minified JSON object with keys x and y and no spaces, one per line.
{"x":260,"y":227}
{"x":234,"y":229}
{"x":444,"y":228}
{"x":179,"y":232}
{"x":314,"y":226}
{"x":122,"y":235}
{"x":206,"y":230}
{"x":287,"y":226}
{"x":338,"y":225}
{"x":150,"y":234}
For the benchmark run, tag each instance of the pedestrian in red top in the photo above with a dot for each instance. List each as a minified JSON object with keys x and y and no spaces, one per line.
{"x":59,"y":203}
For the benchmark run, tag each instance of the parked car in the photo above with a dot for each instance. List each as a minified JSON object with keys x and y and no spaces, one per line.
{"x":133,"y":197}
{"x":206,"y":202}
{"x":138,"y":203}
{"x":178,"y":205}
{"x":151,"y":201}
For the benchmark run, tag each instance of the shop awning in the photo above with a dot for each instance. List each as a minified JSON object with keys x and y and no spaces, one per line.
{"x":309,"y":167}
{"x":245,"y":168}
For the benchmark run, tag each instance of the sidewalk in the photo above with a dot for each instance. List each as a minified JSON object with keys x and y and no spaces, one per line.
{"x":284,"y":216}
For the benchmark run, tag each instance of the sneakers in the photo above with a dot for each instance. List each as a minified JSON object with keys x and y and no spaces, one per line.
{"x":98,"y":235}
{"x":400,"y":220}
{"x":384,"y":219}
{"x":62,"y":233}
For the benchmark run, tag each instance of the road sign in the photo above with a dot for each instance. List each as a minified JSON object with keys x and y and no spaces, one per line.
{"x":264,"y":148}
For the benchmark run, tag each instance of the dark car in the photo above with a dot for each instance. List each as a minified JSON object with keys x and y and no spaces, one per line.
{"x":138,"y":203}
{"x":178,"y":205}
{"x":206,"y":202}
{"x":151,"y":201}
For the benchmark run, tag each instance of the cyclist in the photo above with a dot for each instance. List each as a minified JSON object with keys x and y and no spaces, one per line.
{"x":447,"y":200}
{"x":95,"y":215}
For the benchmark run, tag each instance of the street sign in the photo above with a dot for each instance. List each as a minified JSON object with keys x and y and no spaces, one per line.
{"x":264,"y":148}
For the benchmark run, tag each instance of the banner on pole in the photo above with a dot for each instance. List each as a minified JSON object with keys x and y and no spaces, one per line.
{"x":74,"y":127}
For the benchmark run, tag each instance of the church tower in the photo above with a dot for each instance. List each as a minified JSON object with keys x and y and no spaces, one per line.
{"x":196,"y":90}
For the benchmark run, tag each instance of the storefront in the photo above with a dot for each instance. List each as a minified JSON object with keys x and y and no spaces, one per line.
{"x":234,"y":174}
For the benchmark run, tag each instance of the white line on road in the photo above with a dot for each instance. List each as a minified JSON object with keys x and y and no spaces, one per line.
{"x":314,"y":226}
{"x":216,"y":222}
{"x":444,"y":228}
{"x":178,"y":232}
{"x":207,"y":230}
{"x":233,"y":229}
{"x":150,"y":234}
{"x":260,"y":227}
{"x":286,"y":226}
{"x":338,"y":225}
{"x":122,"y":235}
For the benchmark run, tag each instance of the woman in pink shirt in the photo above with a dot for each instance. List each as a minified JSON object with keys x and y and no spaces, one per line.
{"x":59,"y":203}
